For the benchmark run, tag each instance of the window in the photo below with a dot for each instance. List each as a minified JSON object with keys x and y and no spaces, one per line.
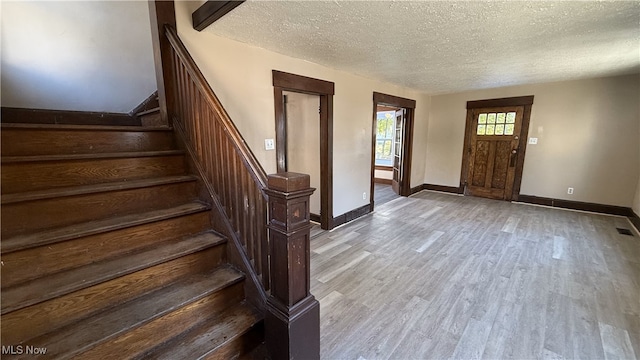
{"x":384,"y":138}
{"x":496,"y":123}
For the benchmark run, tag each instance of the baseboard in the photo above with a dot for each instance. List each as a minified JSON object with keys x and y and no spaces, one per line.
{"x":43,"y":116}
{"x":350,"y":215}
{"x":315,"y":218}
{"x":576,"y":205}
{"x":635,"y":220}
{"x":382,"y":181}
{"x":443,"y":188}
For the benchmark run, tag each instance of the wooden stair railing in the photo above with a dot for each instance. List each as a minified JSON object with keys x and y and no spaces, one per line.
{"x":233,"y":176}
{"x":246,"y":201}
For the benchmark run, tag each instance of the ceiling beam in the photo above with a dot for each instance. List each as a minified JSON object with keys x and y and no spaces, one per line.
{"x":211,"y":11}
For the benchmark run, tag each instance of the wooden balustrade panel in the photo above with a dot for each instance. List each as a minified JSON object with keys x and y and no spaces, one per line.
{"x":236,"y":178}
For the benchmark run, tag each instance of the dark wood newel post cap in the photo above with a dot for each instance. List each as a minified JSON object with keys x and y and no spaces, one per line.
{"x":288,"y":182}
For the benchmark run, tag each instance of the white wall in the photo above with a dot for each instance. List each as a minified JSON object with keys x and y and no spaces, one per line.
{"x":76,"y":55}
{"x":636,"y":199}
{"x":303,"y":140}
{"x":587,"y":134}
{"x":241,"y":77}
{"x":383,"y":174}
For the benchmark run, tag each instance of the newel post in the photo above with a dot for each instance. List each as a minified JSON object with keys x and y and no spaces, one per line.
{"x":292,"y":320}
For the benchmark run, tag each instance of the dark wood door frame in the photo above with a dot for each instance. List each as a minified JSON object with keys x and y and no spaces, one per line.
{"x":407,"y":146}
{"x":283,"y":81}
{"x":526,"y":102}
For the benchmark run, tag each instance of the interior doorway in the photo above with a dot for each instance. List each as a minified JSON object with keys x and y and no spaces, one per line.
{"x":302,"y":123}
{"x":495,"y":145}
{"x":391,"y":144}
{"x":324,"y":90}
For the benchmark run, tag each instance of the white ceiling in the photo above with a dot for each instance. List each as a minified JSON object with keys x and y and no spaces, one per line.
{"x":447,"y":46}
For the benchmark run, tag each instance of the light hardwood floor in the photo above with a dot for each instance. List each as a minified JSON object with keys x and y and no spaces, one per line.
{"x":438,"y":276}
{"x":382,"y":194}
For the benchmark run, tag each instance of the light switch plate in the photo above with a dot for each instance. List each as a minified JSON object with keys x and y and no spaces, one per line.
{"x":269,"y":144}
{"x":533,"y":141}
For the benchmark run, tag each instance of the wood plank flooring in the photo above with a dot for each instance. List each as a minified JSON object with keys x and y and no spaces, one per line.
{"x":439,"y":276}
{"x":382,"y":194}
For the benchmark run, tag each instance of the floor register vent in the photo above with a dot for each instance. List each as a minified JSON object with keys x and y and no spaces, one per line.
{"x":624,"y":231}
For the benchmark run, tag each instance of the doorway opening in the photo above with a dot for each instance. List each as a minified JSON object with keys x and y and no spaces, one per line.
{"x":391,"y":147}
{"x":494,"y":147}
{"x":385,"y":152}
{"x":294,"y":85}
{"x":302,"y":129}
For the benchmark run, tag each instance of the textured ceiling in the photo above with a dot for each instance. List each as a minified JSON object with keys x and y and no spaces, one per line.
{"x":446,"y":46}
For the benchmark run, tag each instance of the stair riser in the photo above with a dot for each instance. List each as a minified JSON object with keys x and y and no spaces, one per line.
{"x":152,"y":335}
{"x":45,"y":214}
{"x":28,"y":142}
{"x":151,"y":119}
{"x":32,"y":263}
{"x":29,"y":322}
{"x":29,"y":176}
{"x":239,"y":346}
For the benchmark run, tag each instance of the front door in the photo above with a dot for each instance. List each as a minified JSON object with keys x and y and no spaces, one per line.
{"x":397,"y":156}
{"x":493,"y":151}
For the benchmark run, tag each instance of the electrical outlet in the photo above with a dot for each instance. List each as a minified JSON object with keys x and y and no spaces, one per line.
{"x":533,"y":141}
{"x":364,"y":196}
{"x":269,"y":144}
{"x":570,"y":191}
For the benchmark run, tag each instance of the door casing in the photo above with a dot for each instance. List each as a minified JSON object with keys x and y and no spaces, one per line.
{"x":526,"y":102}
{"x":283,"y":81}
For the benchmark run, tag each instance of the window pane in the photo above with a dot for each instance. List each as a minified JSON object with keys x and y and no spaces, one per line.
{"x":511,"y":118}
{"x":389,"y":131}
{"x":501,"y":117}
{"x":490,"y":129}
{"x":499,"y":129}
{"x":387,"y":149}
{"x":482,"y":119}
{"x":481,"y":129}
{"x":379,"y":147}
{"x":508,"y":130}
{"x":491,"y":118}
{"x":380,"y":130}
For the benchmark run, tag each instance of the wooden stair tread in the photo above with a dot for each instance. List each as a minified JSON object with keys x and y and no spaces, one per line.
{"x":116,"y":155}
{"x":82,"y":127}
{"x":46,"y":237}
{"x":150,"y":111}
{"x":54,"y":285}
{"x":212,"y":335}
{"x":82,"y":335}
{"x":92,"y":188}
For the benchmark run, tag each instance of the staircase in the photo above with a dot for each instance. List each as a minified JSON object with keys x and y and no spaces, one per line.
{"x":108,"y":253}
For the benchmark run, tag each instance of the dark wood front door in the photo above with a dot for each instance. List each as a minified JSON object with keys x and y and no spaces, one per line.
{"x":493,"y":151}
{"x":397,"y":156}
